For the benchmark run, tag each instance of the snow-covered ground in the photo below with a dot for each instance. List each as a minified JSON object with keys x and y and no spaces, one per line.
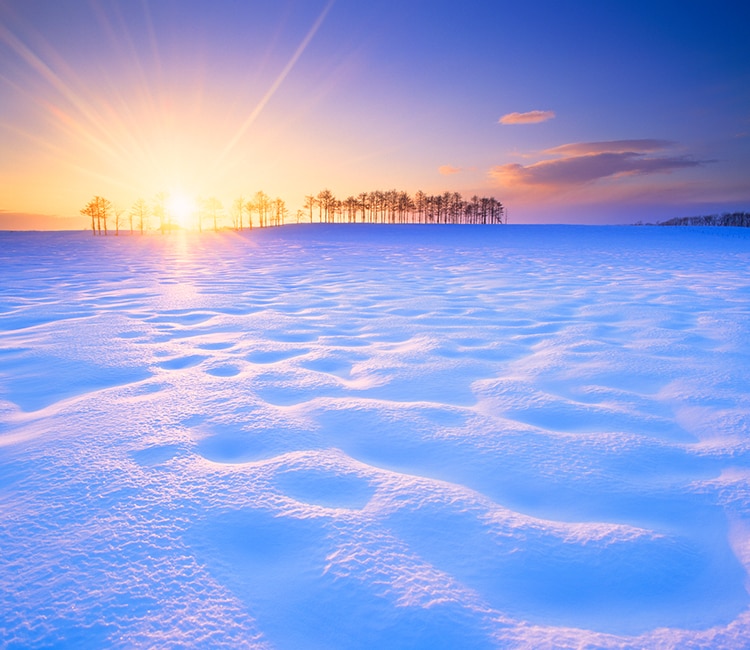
{"x":376,"y":437}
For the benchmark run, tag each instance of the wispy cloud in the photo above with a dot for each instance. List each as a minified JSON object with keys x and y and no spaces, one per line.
{"x":586,"y":162}
{"x":449,"y":170}
{"x":610,"y":146}
{"x":530,"y":117}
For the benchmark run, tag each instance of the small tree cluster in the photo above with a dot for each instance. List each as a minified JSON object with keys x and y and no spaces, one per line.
{"x":99,"y":210}
{"x":269,"y":212}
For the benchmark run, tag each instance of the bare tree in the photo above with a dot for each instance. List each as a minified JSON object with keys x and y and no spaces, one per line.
{"x":213,"y":208}
{"x":90,"y":211}
{"x":325,"y":203}
{"x":141,"y":212}
{"x":279,"y":211}
{"x":349,"y":205}
{"x":336,"y":210}
{"x":238,"y":209}
{"x":249,"y":207}
{"x":363,"y":201}
{"x":118,"y":212}
{"x":262,"y":204}
{"x":309,"y":205}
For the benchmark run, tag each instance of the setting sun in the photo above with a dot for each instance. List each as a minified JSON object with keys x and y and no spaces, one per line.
{"x":181,"y":209}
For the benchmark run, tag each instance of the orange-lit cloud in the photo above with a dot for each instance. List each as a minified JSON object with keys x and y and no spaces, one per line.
{"x":530,"y":117}
{"x":587,"y":162}
{"x":449,"y":170}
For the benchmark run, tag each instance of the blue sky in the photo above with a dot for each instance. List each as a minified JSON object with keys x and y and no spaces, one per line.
{"x":625,"y":111}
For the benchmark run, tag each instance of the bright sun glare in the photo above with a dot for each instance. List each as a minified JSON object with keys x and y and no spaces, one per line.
{"x":181,"y":208}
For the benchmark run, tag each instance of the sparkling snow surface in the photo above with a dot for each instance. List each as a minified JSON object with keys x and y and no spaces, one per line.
{"x":376,"y":437}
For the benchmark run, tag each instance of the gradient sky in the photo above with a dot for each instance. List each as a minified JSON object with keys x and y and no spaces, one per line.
{"x":580,"y":111}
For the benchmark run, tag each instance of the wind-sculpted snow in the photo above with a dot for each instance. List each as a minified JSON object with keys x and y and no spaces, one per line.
{"x":376,"y":437}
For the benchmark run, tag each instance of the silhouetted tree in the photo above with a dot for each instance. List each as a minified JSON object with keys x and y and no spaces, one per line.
{"x":238,"y":209}
{"x":118,"y":214}
{"x":262,"y":205}
{"x":325,"y":202}
{"x":213,"y":209}
{"x":362,"y":203}
{"x":349,"y":206}
{"x":309,"y":205}
{"x":105,"y":210}
{"x":279,"y":211}
{"x":249,"y":207}
{"x":140,"y":212}
{"x":90,"y":211}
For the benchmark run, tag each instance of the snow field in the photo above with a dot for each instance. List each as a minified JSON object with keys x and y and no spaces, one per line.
{"x":317,"y":437}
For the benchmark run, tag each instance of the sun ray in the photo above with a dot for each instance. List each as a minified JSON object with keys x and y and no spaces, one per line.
{"x":275,"y":86}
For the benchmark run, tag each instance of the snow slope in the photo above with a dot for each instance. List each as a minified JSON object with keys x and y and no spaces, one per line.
{"x":371,"y":437}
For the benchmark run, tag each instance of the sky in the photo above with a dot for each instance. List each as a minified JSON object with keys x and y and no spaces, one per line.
{"x":575,"y":112}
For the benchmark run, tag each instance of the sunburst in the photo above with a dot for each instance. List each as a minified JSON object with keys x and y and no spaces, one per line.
{"x":181,"y":208}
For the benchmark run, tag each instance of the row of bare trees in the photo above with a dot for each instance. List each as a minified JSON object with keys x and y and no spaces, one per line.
{"x":103,"y":214}
{"x":208,"y":214}
{"x":394,"y":206}
{"x":383,"y":207}
{"x":270,"y":212}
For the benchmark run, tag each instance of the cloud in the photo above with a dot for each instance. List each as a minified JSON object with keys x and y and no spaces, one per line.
{"x":610,"y":146}
{"x":530,"y":117}
{"x":449,"y":170}
{"x":586,"y":162}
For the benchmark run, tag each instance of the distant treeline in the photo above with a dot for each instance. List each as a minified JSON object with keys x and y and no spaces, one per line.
{"x":736,"y":219}
{"x":382,"y":207}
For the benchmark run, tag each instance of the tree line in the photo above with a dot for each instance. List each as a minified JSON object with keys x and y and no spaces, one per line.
{"x":103,"y":213}
{"x":398,"y":207}
{"x":735,"y":219}
{"x":207,"y":214}
{"x":261,"y":211}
